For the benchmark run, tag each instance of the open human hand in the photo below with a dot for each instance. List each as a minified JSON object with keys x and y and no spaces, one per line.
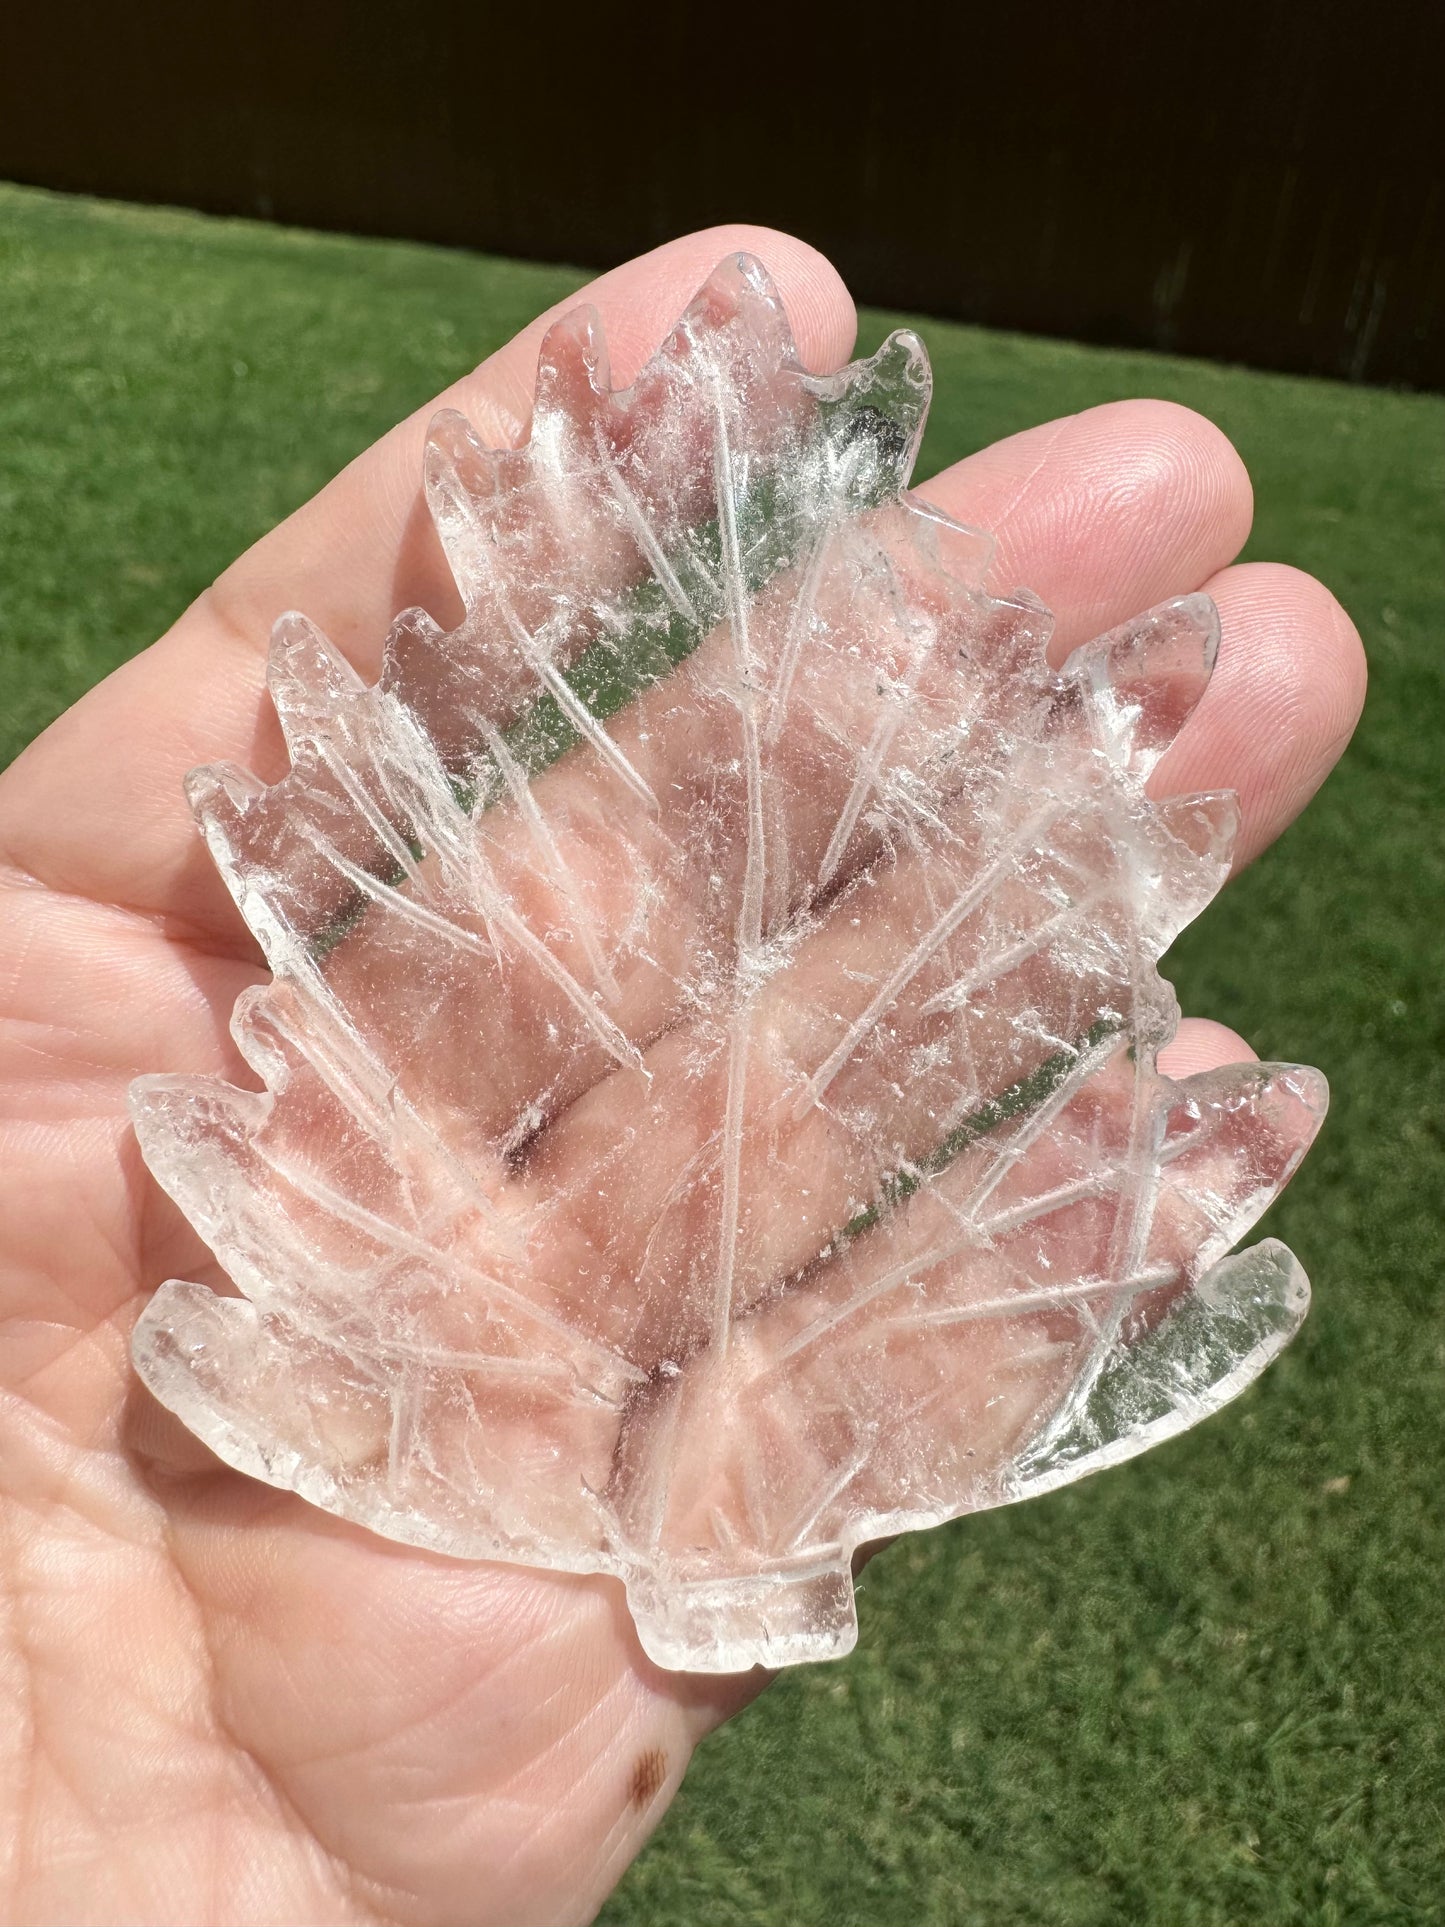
{"x":229,"y":1706}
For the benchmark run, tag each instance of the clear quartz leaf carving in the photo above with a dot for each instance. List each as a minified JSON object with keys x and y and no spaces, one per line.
{"x":709,"y":1113}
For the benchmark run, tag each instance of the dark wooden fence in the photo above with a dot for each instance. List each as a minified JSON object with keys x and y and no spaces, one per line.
{"x":1262,"y":183}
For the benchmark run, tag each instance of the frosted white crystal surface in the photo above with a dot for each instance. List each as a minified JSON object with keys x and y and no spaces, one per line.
{"x":710,"y":1116}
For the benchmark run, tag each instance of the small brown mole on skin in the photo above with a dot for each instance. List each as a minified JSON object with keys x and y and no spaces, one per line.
{"x":648,"y":1774}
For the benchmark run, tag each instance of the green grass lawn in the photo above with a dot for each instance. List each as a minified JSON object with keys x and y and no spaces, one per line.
{"x":1206,"y":1687}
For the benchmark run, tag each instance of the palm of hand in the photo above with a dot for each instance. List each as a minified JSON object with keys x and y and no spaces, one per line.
{"x":226,"y":1705}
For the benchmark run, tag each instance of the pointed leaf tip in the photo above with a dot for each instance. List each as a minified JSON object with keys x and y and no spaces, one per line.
{"x":573,"y":361}
{"x":1148,"y":675}
{"x":221,"y":789}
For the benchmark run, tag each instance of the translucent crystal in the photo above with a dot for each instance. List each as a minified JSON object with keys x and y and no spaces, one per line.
{"x":710,"y":1116}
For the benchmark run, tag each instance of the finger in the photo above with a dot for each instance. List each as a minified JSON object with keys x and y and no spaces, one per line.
{"x":353,"y":556}
{"x":1200,"y":1044}
{"x":1106,"y":512}
{"x":1282,"y":704}
{"x":1111,"y":510}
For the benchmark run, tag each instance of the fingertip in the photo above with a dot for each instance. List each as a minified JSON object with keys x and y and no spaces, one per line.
{"x":1170,"y":493}
{"x":1327,"y":645}
{"x":636,"y":305}
{"x":1202,"y":1045}
{"x":1105,"y":512}
{"x":819,"y":307}
{"x":1209,"y":470}
{"x":1283,"y":702}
